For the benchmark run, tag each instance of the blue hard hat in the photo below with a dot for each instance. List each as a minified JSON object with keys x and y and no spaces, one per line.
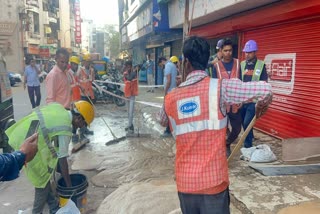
{"x":250,"y":46}
{"x":220,"y":44}
{"x":106,"y":59}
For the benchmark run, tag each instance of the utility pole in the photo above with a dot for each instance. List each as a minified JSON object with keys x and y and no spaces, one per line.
{"x":185,"y":32}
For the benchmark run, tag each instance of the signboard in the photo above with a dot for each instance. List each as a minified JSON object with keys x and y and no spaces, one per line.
{"x":281,"y":70}
{"x":33,"y":49}
{"x":44,"y":52}
{"x":77,"y":19}
{"x":160,"y":17}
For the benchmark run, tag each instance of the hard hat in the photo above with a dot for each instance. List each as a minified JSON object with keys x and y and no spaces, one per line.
{"x":86,"y":57}
{"x":86,"y":110}
{"x":174,"y":59}
{"x":250,"y":46}
{"x":74,"y":59}
{"x":106,"y":59}
{"x":220,"y":44}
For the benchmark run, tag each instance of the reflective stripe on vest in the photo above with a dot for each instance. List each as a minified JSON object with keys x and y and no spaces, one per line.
{"x":257,"y":70}
{"x":212,"y":123}
{"x":222,"y":72}
{"x":46,"y":131}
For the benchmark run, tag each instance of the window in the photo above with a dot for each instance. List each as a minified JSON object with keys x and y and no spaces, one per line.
{"x":36,"y":28}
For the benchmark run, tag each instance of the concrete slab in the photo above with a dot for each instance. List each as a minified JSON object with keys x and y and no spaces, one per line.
{"x":296,"y":149}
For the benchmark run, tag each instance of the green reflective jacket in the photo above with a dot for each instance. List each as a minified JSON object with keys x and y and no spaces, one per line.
{"x":257,"y":70}
{"x":55,"y":120}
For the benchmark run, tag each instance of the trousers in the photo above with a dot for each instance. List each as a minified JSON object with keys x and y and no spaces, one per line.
{"x":34,"y":91}
{"x":205,"y":204}
{"x":248,"y":111}
{"x":130,"y":105}
{"x":43,"y":196}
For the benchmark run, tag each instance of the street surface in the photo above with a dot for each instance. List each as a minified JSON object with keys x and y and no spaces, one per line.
{"x":137,"y":175}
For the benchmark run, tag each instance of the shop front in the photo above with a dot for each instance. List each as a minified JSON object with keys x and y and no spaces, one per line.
{"x":288,"y":38}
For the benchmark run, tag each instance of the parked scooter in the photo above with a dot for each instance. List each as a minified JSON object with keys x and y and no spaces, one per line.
{"x":101,"y":95}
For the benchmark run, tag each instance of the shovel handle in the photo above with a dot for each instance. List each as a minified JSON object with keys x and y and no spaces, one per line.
{"x":243,"y":137}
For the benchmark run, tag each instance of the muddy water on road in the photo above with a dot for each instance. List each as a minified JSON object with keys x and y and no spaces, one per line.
{"x":142,"y":169}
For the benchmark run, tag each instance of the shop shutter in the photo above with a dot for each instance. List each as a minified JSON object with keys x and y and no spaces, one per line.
{"x":176,"y":48}
{"x":292,"y":55}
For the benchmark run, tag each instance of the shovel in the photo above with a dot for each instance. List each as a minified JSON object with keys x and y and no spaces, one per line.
{"x":243,"y":137}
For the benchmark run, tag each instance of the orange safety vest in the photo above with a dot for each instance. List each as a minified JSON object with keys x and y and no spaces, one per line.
{"x":199,"y":127}
{"x":223,"y":74}
{"x":86,"y":83}
{"x":75,"y":88}
{"x":131,"y":88}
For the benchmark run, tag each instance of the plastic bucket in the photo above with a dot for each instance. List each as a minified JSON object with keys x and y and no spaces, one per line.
{"x":77,"y":192}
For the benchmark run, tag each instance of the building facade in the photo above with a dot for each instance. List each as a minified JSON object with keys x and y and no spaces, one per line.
{"x":287,"y":35}
{"x":36,"y":27}
{"x":144,"y":29}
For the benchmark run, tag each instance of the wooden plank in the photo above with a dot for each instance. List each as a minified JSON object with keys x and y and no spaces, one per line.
{"x":276,"y":170}
{"x":297,"y":149}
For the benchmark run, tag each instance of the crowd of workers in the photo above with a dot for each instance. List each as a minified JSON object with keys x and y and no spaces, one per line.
{"x":196,"y":112}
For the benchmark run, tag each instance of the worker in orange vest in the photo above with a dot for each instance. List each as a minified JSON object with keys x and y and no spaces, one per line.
{"x":86,"y":76}
{"x":130,"y":91}
{"x":73,"y":78}
{"x":227,"y":68}
{"x":75,"y":94}
{"x":196,"y":112}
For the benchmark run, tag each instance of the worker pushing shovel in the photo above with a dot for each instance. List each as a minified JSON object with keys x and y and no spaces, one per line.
{"x":115,"y":139}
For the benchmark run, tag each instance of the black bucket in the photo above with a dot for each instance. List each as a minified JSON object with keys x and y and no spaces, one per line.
{"x":77,"y":192}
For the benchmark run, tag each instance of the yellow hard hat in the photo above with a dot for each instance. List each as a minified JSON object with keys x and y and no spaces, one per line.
{"x":86,"y":57}
{"x":86,"y":110}
{"x":174,"y":59}
{"x":75,"y":60}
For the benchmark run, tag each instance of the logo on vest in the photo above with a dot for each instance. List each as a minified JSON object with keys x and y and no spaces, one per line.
{"x":188,"y":107}
{"x":258,"y":72}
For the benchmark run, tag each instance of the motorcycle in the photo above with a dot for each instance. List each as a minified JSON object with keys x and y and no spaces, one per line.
{"x":99,"y":89}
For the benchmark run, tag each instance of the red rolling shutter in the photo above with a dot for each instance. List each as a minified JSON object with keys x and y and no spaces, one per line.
{"x":292,"y":55}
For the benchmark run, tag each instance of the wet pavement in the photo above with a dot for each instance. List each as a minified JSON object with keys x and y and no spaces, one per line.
{"x":136,"y":175}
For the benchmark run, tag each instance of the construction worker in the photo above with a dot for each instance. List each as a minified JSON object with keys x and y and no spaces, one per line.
{"x":170,"y":74}
{"x":73,"y":78}
{"x":252,"y":70}
{"x":227,"y":68}
{"x":130,"y":91}
{"x":53,"y":144}
{"x":86,"y":77}
{"x":196,"y":112}
{"x":216,"y":57}
{"x":11,"y":163}
{"x":75,"y":94}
